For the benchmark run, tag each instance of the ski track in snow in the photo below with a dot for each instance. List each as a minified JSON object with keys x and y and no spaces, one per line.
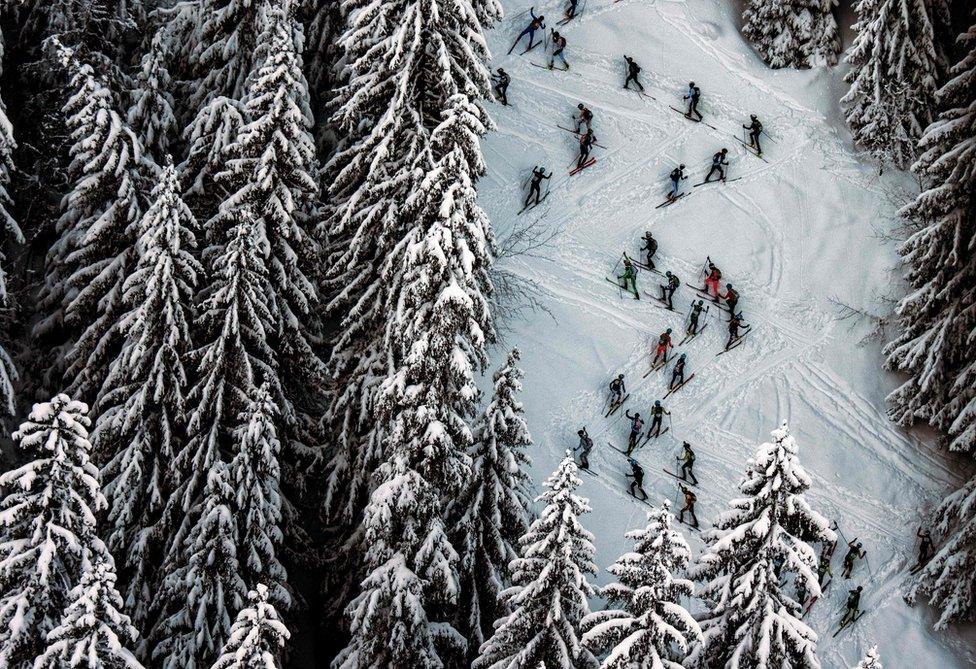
{"x":790,"y":234}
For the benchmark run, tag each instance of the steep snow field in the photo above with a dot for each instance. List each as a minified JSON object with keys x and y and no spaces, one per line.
{"x":810,"y":225}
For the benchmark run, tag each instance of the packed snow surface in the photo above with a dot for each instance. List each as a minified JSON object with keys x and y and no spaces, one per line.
{"x":812,"y":226}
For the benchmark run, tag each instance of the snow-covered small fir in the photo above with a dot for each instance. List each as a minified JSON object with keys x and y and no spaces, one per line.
{"x":792,"y":33}
{"x":494,"y":508}
{"x":752,"y":620}
{"x":257,"y":637}
{"x":872,"y":660}
{"x":151,"y":111}
{"x":549,"y":597}
{"x":650,"y":627}
{"x":94,"y":633}
{"x":256,"y":476}
{"x":48,"y":535}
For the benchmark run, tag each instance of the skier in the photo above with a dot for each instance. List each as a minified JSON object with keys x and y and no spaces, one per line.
{"x":633,"y":69}
{"x":687,"y":460}
{"x":617,"y":390}
{"x":677,"y":174}
{"x":571,"y":10}
{"x":636,"y":425}
{"x":502,"y":80}
{"x":587,"y":139}
{"x":853,"y":606}
{"x":650,"y":246}
{"x":585,"y":117}
{"x":629,"y":277}
{"x":693,"y":96}
{"x":734,"y":324}
{"x":690,"y":499}
{"x":667,"y":292}
{"x":854,"y":551}
{"x":657,"y":417}
{"x":696,"y":309}
{"x":585,"y":446}
{"x":925,"y":548}
{"x":636,"y":473}
{"x":558,"y":44}
{"x":755,"y":128}
{"x":823,"y":569}
{"x":663,"y":344}
{"x":712,"y":281}
{"x":678,"y":373}
{"x":535,"y":188}
{"x":731,"y":297}
{"x":718,"y":160}
{"x":537,"y":23}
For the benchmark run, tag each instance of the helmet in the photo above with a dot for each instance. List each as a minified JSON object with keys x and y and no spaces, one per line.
{"x":657,"y":403}
{"x":669,"y":330}
{"x":636,"y":415}
{"x":668,"y":273}
{"x":859,"y":588}
{"x":691,"y":84}
{"x":579,"y":106}
{"x":579,"y":432}
{"x":728,"y":285}
{"x":620,"y":376}
{"x":682,"y":356}
{"x":753,"y":117}
{"x":686,"y":444}
{"x":701,"y":303}
{"x":681,"y":166}
{"x":725,"y":150}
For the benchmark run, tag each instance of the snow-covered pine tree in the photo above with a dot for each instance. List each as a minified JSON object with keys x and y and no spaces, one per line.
{"x":11,"y":234}
{"x":95,"y":252}
{"x":151,"y":114}
{"x":202,"y":596}
{"x":933,"y":347}
{"x":549,"y":598}
{"x":257,"y":637}
{"x":871,"y":661}
{"x":48,"y":508}
{"x":270,"y":171}
{"x":751,"y":621}
{"x":411,"y":575}
{"x":385,"y":120}
{"x":895,"y":68}
{"x":143,"y":400}
{"x":255,"y":476}
{"x":794,"y":33}
{"x":230,"y":362}
{"x":94,"y":632}
{"x":208,"y":137}
{"x":651,"y":628}
{"x":493,"y":509}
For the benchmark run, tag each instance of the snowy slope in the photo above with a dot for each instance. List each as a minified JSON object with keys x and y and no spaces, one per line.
{"x":809,"y":226}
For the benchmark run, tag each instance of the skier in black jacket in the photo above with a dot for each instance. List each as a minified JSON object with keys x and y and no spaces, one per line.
{"x":693,"y":96}
{"x":633,"y":69}
{"x":853,"y":606}
{"x":696,"y":309}
{"x":667,"y":291}
{"x":537,"y":23}
{"x":636,"y":473}
{"x":617,"y":390}
{"x":636,"y":425}
{"x":650,"y":246}
{"x":678,"y":372}
{"x":535,"y":188}
{"x":658,"y":413}
{"x":585,"y":446}
{"x":718,"y":161}
{"x":502,"y":80}
{"x":585,"y":118}
{"x":734,"y":325}
{"x":755,"y":129}
{"x":677,"y":174}
{"x":687,"y":460}
{"x":587,"y":140}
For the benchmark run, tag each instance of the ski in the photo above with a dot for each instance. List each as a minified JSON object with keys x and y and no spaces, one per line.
{"x":661,"y":302}
{"x":645,"y":267}
{"x":751,"y":150}
{"x":587,"y":470}
{"x":670,"y":201}
{"x":687,"y":116}
{"x":531,"y":46}
{"x":848,"y":624}
{"x":530,"y":207}
{"x":738,"y":342}
{"x":715,"y":181}
{"x":639,"y":499}
{"x":636,"y":297}
{"x":678,"y":387}
{"x":546,"y":67}
{"x":813,"y":600}
{"x":654,"y":367}
{"x":614,"y":407}
{"x":689,"y":337}
{"x":624,"y":453}
{"x":576,"y":132}
{"x":696,"y":528}
{"x":577,"y":170}
{"x":657,"y":436}
{"x":693,"y":485}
